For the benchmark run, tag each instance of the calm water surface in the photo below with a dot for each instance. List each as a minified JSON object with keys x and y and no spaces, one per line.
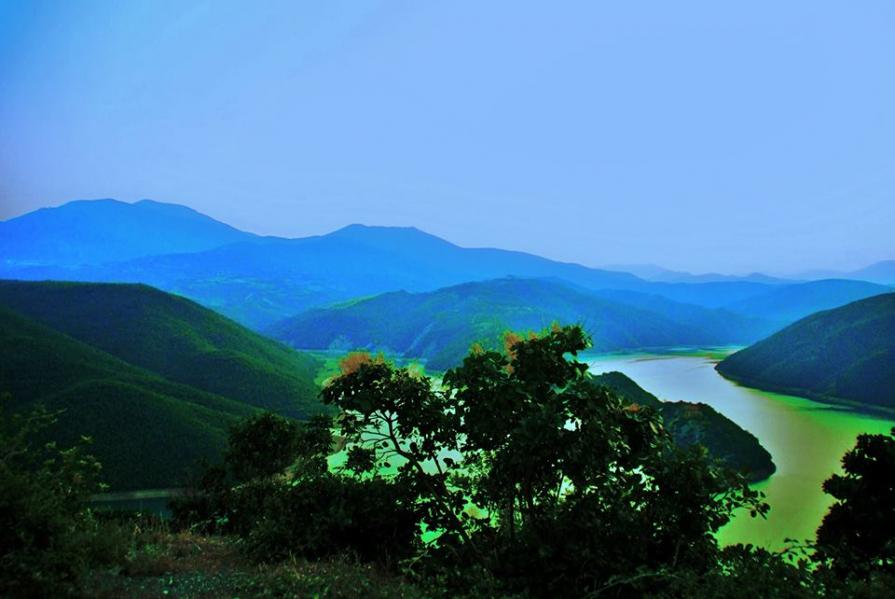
{"x":806,"y":439}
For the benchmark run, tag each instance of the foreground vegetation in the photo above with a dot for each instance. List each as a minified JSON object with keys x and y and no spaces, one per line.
{"x":516,"y":477}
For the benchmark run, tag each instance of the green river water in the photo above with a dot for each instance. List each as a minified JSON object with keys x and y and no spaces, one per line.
{"x":806,"y":438}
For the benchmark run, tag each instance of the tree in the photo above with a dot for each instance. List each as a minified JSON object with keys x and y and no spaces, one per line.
{"x":534,"y":475}
{"x":857,"y":536}
{"x":264,"y":445}
{"x":45,"y":531}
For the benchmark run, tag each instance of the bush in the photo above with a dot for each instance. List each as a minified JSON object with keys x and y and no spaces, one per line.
{"x":333,"y":515}
{"x":46,"y":535}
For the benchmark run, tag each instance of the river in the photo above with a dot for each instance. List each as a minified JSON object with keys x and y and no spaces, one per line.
{"x":806,"y":438}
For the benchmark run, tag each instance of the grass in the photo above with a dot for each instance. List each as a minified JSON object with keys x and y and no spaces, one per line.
{"x":163,"y":563}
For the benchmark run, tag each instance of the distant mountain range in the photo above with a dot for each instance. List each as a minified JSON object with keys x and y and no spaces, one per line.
{"x":879,"y":272}
{"x":651,"y":272}
{"x":155,"y":379}
{"x":260,"y":281}
{"x":786,"y":304}
{"x":440,"y":326}
{"x":845,"y":354}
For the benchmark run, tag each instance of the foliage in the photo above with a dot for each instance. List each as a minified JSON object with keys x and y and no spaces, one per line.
{"x":275,"y":491}
{"x":261,"y":446}
{"x":746,"y":572}
{"x":574,"y":489}
{"x":857,"y":536}
{"x":47,"y":540}
{"x":328,"y":515}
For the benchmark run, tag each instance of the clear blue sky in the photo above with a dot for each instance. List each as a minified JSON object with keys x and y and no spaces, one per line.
{"x":726,"y":136}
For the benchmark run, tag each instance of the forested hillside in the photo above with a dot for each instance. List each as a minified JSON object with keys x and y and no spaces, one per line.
{"x":845,"y":354}
{"x":440,"y":326}
{"x":175,"y":338}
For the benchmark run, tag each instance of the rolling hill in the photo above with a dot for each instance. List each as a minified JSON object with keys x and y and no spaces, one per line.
{"x":147,"y":431}
{"x":175,"y":338}
{"x":845,"y":354}
{"x":99,"y":231}
{"x":698,"y":423}
{"x":155,"y":379}
{"x":440,"y":326}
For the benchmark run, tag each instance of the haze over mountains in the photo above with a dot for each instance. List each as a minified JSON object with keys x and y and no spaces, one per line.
{"x":261,"y":281}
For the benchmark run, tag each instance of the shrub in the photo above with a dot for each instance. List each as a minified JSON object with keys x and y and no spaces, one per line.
{"x":332,"y":515}
{"x":44,"y":529}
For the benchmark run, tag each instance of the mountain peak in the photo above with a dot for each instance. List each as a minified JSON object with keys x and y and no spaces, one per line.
{"x":405,"y":238}
{"x":85,"y":232}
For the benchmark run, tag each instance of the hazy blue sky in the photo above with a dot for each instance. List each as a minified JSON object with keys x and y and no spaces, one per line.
{"x":731,"y":136}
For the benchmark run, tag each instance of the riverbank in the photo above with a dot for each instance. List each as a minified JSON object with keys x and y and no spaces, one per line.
{"x":806,"y":438}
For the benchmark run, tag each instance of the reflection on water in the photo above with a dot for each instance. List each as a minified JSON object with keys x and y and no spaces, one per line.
{"x":806,"y":439}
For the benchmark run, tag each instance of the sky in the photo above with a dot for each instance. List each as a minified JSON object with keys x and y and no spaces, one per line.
{"x":702,"y":136}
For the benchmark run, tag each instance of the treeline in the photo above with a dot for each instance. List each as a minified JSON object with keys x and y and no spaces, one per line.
{"x":515,"y":476}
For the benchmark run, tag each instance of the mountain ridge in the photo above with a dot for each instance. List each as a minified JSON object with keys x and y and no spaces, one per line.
{"x":843,"y":355}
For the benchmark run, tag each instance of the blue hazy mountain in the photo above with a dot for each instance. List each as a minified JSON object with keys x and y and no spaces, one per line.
{"x":653,"y":272}
{"x":792,"y":302}
{"x":879,"y":272}
{"x":847,"y":353}
{"x":261,"y":280}
{"x":440,"y":326}
{"x":100,"y":231}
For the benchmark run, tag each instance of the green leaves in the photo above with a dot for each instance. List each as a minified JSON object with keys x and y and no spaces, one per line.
{"x":573,"y":487}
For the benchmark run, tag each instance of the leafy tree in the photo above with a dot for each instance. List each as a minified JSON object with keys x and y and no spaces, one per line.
{"x":45,"y":532}
{"x":857,"y":536}
{"x":571,"y":490}
{"x":262,"y":445}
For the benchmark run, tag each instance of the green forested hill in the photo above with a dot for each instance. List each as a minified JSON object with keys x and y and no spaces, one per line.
{"x":175,"y":338}
{"x":847,"y":353}
{"x":155,"y":379}
{"x":147,"y":431}
{"x":698,"y":423}
{"x":440,"y":326}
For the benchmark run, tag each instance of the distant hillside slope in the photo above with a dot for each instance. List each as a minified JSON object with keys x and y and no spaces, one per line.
{"x":147,"y":431}
{"x":843,"y":354}
{"x":698,"y":423}
{"x":882,"y":272}
{"x":440,"y":326}
{"x":100,"y":231}
{"x":175,"y":338}
{"x":265,"y":280}
{"x":879,"y":272}
{"x":790,"y":303}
